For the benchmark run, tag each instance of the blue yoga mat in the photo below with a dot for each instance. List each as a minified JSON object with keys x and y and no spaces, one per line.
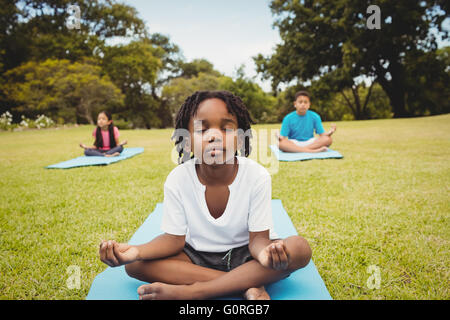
{"x":96,"y":161}
{"x":300,"y":156}
{"x":304,"y":284}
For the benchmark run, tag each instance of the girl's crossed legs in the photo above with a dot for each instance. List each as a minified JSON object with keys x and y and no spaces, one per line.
{"x":110,"y":153}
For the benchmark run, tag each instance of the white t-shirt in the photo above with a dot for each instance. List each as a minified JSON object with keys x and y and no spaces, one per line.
{"x":248,"y":208}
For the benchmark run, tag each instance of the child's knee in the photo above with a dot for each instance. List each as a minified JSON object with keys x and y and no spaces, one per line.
{"x":133,"y":269}
{"x":300,"y":253}
{"x":327,"y":140}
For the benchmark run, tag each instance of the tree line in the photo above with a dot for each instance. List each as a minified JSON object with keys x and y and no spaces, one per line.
{"x":352,"y":72}
{"x":329,"y":45}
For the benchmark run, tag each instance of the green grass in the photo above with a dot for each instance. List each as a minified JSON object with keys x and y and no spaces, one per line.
{"x":385,"y":204}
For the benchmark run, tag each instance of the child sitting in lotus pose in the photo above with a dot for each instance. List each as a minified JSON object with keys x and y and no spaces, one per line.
{"x":106,"y":138}
{"x":218,"y":232}
{"x":298,"y":127}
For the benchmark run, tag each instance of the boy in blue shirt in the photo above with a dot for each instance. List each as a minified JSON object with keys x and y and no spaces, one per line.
{"x":298,"y":127}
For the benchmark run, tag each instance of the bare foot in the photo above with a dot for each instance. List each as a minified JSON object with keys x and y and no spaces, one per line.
{"x":308,"y":149}
{"x":115,"y":154}
{"x":256,"y":294}
{"x":163,"y":291}
{"x":321,"y":149}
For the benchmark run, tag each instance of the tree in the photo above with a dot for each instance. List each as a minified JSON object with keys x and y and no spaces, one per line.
{"x":71,"y":92}
{"x":428,"y":77}
{"x":37,"y":30}
{"x":322,"y":37}
{"x":33,"y":30}
{"x":171,"y":59}
{"x":176,"y":92}
{"x":374,"y":104}
{"x":339,"y":82}
{"x":134,"y":68}
{"x":259,"y":104}
{"x":195,"y":67}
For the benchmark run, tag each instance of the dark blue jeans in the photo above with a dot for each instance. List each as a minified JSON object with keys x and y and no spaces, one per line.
{"x":101,"y":153}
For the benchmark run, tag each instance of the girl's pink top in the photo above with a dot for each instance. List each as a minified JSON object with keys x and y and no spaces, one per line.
{"x":105,"y":136}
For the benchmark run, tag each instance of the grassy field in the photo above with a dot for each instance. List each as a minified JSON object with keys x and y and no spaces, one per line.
{"x":385,"y":204}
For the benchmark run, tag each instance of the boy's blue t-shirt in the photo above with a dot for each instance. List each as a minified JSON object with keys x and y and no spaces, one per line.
{"x":301,"y":128}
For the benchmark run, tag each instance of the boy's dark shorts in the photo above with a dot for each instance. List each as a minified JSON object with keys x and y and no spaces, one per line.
{"x":223,"y":261}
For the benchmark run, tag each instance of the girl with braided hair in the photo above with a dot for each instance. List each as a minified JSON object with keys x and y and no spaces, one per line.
{"x":218,"y":232}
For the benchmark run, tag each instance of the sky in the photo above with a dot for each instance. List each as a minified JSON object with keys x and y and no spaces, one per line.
{"x":226,"y":33}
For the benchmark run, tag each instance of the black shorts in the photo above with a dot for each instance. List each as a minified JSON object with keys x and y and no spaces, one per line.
{"x":223,"y":261}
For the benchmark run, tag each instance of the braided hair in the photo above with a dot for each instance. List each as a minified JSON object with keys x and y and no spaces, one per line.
{"x":189,"y":108}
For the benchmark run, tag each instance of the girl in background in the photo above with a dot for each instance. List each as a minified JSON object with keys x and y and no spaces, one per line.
{"x":106,"y":138}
